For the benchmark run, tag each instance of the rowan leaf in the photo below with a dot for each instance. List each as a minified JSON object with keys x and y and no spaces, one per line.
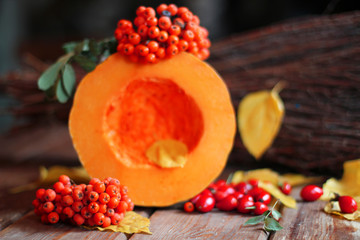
{"x":260,"y":115}
{"x":272,"y":225}
{"x":257,"y":219}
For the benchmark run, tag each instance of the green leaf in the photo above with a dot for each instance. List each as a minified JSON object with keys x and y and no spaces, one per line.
{"x":276,"y":214}
{"x":70,"y":46}
{"x":257,"y":219}
{"x":61,"y":94}
{"x":69,"y":79}
{"x":85,"y":63}
{"x":86,"y":45}
{"x":48,"y":78}
{"x":272,"y":225}
{"x":94,"y":48}
{"x":50,"y":93}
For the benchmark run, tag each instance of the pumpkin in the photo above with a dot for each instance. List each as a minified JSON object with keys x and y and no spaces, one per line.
{"x":126,"y":113}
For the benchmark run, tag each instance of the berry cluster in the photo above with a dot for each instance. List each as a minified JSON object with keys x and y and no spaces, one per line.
{"x":99,"y":203}
{"x":162,"y":34}
{"x":246,"y":197}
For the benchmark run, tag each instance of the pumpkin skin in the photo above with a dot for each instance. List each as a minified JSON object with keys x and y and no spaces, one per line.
{"x":121,"y":108}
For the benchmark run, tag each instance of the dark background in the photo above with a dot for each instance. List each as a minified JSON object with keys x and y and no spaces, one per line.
{"x":42,"y":26}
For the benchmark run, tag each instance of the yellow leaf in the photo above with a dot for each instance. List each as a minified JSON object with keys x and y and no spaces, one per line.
{"x":168,"y":153}
{"x":349,"y":184}
{"x":264,"y":174}
{"x":132,"y":223}
{"x":299,"y":179}
{"x":51,"y":175}
{"x":260,"y":115}
{"x":334,"y":208}
{"x":288,"y":201}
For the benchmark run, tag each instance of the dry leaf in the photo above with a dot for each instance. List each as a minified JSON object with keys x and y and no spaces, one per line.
{"x":334,"y":208}
{"x":51,"y":175}
{"x":132,"y":223}
{"x":260,"y":115}
{"x":168,"y":153}
{"x":349,"y":185}
{"x":288,"y":201}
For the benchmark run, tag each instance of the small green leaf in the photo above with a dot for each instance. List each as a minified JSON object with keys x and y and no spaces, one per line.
{"x":85,"y":63}
{"x":61,"y":94}
{"x":70,"y":46}
{"x":276,"y":214}
{"x":69,"y":79}
{"x":272,"y":225}
{"x":94,"y":48}
{"x":256,"y":220}
{"x":48,"y":78}
{"x":86,"y":46}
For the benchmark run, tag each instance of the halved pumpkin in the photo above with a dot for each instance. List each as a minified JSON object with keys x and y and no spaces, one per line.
{"x":122,"y":109}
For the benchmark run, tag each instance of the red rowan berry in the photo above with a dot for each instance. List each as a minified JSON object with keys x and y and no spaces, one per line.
{"x":93,"y":181}
{"x":99,"y":218}
{"x":40,"y":194}
{"x":86,"y":213}
{"x":172,"y":50}
{"x":67,"y":191}
{"x":149,"y":12}
{"x":115,"y":182}
{"x":44,"y":219}
{"x":59,"y":208}
{"x":173,"y":9}
{"x":153,"y":47}
{"x":49,"y":195}
{"x":150,"y":58}
{"x":102,"y":208}
{"x":183,"y":45}
{"x":164,"y":22}
{"x":78,"y":194}
{"x":53,"y":217}
{"x":163,"y":36}
{"x":140,"y":10}
{"x":187,"y":16}
{"x":142,"y":31}
{"x":134,"y":38}
{"x":179,"y":22}
{"x":64,"y":179}
{"x":110,"y":212}
{"x":160,"y":53}
{"x":93,"y":207}
{"x":78,"y":219}
{"x":36,"y":202}
{"x":93,"y":196}
{"x":116,"y":219}
{"x":67,"y":200}
{"x":138,"y":21}
{"x":152,"y":21}
{"x":181,"y":10}
{"x":153,"y":32}
{"x":112,"y":190}
{"x":113,"y":203}
{"x":68,"y":212}
{"x":121,"y":208}
{"x":188,"y":35}
{"x":104,"y":197}
{"x":77,"y":206}
{"x":142,"y":50}
{"x":174,"y":30}
{"x":161,"y":8}
{"x":100,"y":186}
{"x":48,"y":207}
{"x":124,"y":24}
{"x":58,"y":187}
{"x":173,"y":40}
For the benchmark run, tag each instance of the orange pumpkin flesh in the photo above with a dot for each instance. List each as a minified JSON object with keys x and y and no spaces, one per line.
{"x":121,"y":108}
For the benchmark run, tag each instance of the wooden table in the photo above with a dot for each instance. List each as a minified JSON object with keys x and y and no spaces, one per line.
{"x":17,"y":220}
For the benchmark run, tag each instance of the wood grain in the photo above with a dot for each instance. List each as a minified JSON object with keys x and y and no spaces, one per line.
{"x":176,"y":224}
{"x":309,"y":221}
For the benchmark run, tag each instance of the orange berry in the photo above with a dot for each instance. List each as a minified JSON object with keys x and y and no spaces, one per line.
{"x":149,"y":12}
{"x":142,"y":50}
{"x":134,"y":38}
{"x":174,"y":30}
{"x":183,"y":45}
{"x":160,"y":53}
{"x":138,"y":21}
{"x":163,"y":36}
{"x":173,"y":40}
{"x":172,"y":50}
{"x":164,"y":22}
{"x":186,"y":16}
{"x":140,"y":10}
{"x":153,"y":46}
{"x":161,"y":8}
{"x":142,"y":31}
{"x":153,"y":32}
{"x":188,"y":35}
{"x":173,"y":9}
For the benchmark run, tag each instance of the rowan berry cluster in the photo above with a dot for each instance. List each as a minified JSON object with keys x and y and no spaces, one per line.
{"x":246,"y":197}
{"x":163,"y":33}
{"x":99,"y":203}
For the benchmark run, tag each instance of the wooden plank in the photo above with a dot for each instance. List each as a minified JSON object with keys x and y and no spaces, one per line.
{"x":309,"y":221}
{"x":177,"y":224}
{"x":14,"y":206}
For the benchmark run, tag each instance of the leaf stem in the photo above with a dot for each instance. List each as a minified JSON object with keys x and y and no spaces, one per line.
{"x":279,"y":87}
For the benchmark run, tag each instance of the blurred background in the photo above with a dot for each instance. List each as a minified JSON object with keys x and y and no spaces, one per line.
{"x":34,"y":32}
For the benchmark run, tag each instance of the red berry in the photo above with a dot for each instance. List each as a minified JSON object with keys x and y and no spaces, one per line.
{"x":311,"y":193}
{"x":112,"y":190}
{"x":172,"y":50}
{"x":78,"y":194}
{"x":143,"y":31}
{"x":255,"y":192}
{"x":114,"y":202}
{"x":40,"y":194}
{"x":244,"y":205}
{"x":153,"y":32}
{"x":152,"y":21}
{"x":285,"y":187}
{"x":36,"y":202}
{"x":44,"y":219}
{"x":161,"y":8}
{"x":64,"y":179}
{"x":254,"y":182}
{"x":107,"y":222}
{"x":173,"y":9}
{"x":67,"y":200}
{"x":102,"y":208}
{"x":59,"y":208}
{"x":66,"y":191}
{"x":243,"y":187}
{"x":188,"y":35}
{"x":347,"y":204}
{"x":93,"y":207}
{"x":115,"y":182}
{"x":68,"y":212}
{"x":116,"y":219}
{"x":110,"y":212}
{"x":173,"y":40}
{"x":124,"y":24}
{"x":140,"y":10}
{"x":134,"y":38}
{"x":150,"y":58}
{"x":263,"y":197}
{"x":99,"y":218}
{"x":138,"y":21}
{"x":189,"y":207}
{"x":58,"y":187}
{"x":53,"y":217}
{"x":163,"y":36}
{"x":77,"y":206}
{"x":104,"y":198}
{"x":142,"y":50}
{"x":49,"y":195}
{"x":128,"y":49}
{"x":205,"y":203}
{"x":153,"y":46}
{"x":93,"y":196}
{"x":174,"y":30}
{"x":48,"y":207}
{"x":160,"y":53}
{"x":179,"y":22}
{"x":149,"y":12}
{"x":260,"y":208}
{"x":122,"y":207}
{"x":86,"y":213}
{"x":181,"y":10}
{"x":238,"y":195}
{"x":229,"y":203}
{"x":183,"y":45}
{"x":164,"y":22}
{"x":78,"y":219}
